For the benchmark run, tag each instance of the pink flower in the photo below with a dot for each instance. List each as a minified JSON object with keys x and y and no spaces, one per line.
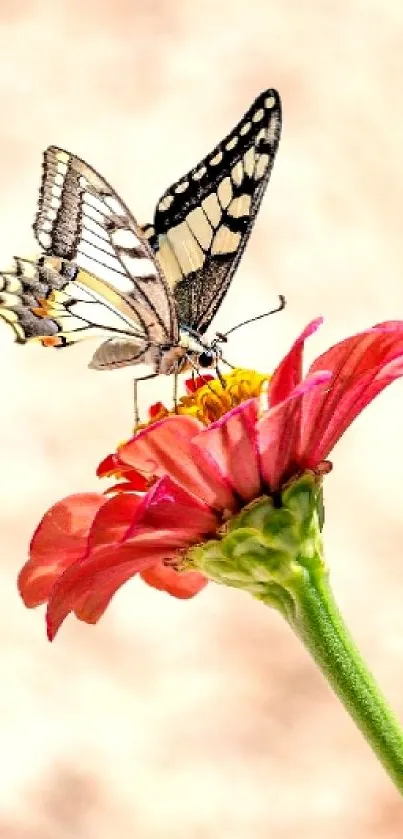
{"x":88,"y":545}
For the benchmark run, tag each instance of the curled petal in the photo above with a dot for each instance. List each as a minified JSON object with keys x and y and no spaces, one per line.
{"x":169,"y":507}
{"x":59,"y":540}
{"x":91,"y":606}
{"x":278,"y":432}
{"x":362,"y":366}
{"x":109,"y":466}
{"x":164,"y":523}
{"x":87,"y":587}
{"x":289,"y":372}
{"x":165,"y":448}
{"x":114,"y":520}
{"x":112,"y":465}
{"x":231,"y":442}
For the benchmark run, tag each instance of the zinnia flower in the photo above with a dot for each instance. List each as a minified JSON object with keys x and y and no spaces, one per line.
{"x":196,"y":475}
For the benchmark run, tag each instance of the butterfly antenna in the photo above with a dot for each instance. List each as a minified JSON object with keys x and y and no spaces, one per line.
{"x":222,"y":336}
{"x":224,"y":361}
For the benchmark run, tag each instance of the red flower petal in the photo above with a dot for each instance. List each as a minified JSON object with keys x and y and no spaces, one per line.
{"x":112,"y":465}
{"x":166,"y":448}
{"x":182,"y":584}
{"x":169,"y":507}
{"x":164,"y":522}
{"x":114,"y":520}
{"x":59,"y":540}
{"x":362,"y":366}
{"x":155,"y":409}
{"x":278,"y":433}
{"x":232,"y":443}
{"x":108,"y":466}
{"x":91,"y":606}
{"x":123,"y":486}
{"x":194,"y":384}
{"x":289,"y":372}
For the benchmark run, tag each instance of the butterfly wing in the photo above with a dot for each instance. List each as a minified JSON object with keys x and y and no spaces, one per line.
{"x":55,"y":302}
{"x":98,"y":274}
{"x":21,"y":293}
{"x":202,"y":223}
{"x":81,"y":219}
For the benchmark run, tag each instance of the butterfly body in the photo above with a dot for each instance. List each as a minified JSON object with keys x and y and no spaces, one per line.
{"x":151,"y":291}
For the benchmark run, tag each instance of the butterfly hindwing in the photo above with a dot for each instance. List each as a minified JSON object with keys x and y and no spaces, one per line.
{"x":82,"y":219}
{"x":22,"y":290}
{"x":97,"y":275}
{"x":202,"y":222}
{"x":55,"y":302}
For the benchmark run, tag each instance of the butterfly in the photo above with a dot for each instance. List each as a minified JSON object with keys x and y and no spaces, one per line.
{"x":151,"y":291}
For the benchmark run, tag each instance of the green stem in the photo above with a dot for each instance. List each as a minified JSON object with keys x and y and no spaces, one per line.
{"x":275,"y":553}
{"x":319,"y":624}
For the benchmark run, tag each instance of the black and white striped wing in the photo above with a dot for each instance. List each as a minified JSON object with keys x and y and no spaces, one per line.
{"x":119,"y":286}
{"x":202,"y":223}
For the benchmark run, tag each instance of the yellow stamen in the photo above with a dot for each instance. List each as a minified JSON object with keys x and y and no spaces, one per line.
{"x":213,"y":399}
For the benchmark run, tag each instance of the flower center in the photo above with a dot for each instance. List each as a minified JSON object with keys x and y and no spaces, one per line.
{"x":210,"y":398}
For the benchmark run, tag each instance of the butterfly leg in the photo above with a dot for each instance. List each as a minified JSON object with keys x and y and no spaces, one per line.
{"x":175,"y":394}
{"x":135,"y":395}
{"x":220,"y":376}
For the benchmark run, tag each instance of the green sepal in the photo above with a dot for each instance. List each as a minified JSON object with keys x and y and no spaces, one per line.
{"x":270,"y":546}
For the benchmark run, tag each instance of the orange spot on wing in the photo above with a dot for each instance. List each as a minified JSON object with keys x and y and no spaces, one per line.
{"x":51,"y":341}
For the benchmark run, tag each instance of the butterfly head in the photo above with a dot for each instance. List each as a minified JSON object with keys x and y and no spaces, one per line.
{"x":209,"y":357}
{"x":198,"y":353}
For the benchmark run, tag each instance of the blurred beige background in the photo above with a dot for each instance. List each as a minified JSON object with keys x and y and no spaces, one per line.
{"x":205,"y":719}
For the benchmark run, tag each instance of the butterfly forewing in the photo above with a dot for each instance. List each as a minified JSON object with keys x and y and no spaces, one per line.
{"x":202,"y":222}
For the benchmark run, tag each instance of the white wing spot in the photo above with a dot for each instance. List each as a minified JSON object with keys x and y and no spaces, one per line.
{"x":165,"y":203}
{"x":124,"y":238}
{"x":199,"y":173}
{"x":245,"y":128}
{"x":45,"y":239}
{"x":62,"y":156}
{"x":270,"y":102}
{"x":113,"y":204}
{"x":138,"y":266}
{"x":258,"y":116}
{"x":216,"y":159}
{"x":232,"y":143}
{"x":182,"y":187}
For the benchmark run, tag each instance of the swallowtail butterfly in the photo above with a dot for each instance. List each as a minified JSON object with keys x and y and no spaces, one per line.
{"x":151,"y":291}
